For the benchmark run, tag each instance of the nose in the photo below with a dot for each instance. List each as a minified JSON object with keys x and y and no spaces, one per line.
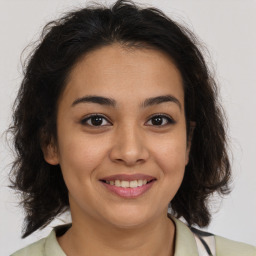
{"x":129,"y":147}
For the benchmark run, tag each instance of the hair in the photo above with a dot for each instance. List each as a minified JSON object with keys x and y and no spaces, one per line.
{"x":62,"y":44}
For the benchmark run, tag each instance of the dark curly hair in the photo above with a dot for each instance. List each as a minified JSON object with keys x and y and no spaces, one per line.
{"x":62,"y":44}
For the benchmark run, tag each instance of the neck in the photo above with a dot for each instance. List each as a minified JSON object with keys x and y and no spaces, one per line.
{"x":92,"y":237}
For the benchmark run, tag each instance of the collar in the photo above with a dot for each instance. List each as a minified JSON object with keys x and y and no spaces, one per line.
{"x":52,"y":246}
{"x":185,"y":243}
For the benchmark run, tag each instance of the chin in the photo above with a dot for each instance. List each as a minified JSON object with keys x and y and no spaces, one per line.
{"x":129,"y":218}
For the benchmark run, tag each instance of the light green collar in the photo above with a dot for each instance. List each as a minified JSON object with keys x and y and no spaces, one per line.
{"x":52,"y":246}
{"x":185,"y":243}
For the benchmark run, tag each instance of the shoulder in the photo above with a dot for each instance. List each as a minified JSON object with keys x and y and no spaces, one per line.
{"x":190,"y":241}
{"x":47,"y":246}
{"x":36,"y":248}
{"x":226,"y":247}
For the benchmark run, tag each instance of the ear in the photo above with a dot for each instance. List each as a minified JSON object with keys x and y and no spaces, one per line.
{"x":189,"y":141}
{"x":51,"y":154}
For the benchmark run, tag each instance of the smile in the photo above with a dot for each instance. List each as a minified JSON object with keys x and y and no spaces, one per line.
{"x":128,"y":186}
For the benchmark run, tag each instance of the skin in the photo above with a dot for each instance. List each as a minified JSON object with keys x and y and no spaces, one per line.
{"x":127,"y":142}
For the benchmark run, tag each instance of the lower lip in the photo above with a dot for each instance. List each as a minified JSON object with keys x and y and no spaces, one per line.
{"x":129,"y":192}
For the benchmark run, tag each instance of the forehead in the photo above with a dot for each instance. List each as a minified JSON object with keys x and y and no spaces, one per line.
{"x":126,"y":72}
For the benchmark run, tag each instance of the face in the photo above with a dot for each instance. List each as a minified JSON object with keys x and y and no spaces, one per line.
{"x":121,"y":136}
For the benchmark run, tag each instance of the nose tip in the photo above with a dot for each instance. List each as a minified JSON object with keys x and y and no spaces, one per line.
{"x":130,"y":149}
{"x":129,"y":159}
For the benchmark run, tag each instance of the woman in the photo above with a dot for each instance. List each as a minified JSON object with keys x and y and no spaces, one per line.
{"x":117,"y":120}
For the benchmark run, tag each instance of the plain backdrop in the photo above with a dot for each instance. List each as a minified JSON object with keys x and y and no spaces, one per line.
{"x":226,"y":27}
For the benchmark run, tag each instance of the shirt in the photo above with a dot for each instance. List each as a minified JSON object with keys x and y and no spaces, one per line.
{"x":185,"y":245}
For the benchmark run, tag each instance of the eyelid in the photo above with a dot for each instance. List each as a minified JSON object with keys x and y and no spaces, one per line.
{"x":168,"y":117}
{"x":87,"y":117}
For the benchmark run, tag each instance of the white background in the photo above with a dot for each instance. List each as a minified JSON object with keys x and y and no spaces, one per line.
{"x":228,"y":29}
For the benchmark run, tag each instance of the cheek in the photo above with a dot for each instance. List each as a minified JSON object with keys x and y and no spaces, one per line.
{"x":78,"y":161}
{"x":171,"y":157}
{"x":79,"y":157}
{"x":172,"y":150}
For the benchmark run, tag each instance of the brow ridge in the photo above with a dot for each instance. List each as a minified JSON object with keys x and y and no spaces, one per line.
{"x":161,"y":99}
{"x":95,"y":99}
{"x":111,"y":102}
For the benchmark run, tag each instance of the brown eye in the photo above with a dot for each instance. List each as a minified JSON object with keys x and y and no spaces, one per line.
{"x":95,"y":120}
{"x":160,"y":120}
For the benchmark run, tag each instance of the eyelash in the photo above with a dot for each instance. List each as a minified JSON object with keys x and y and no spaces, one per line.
{"x":168,"y":119}
{"x":86,"y":119}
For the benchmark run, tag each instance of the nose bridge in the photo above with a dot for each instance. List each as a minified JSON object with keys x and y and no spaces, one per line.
{"x":129,"y":146}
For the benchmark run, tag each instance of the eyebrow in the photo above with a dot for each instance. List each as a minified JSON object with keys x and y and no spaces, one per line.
{"x":95,"y":99}
{"x":161,"y":99}
{"x":111,"y":102}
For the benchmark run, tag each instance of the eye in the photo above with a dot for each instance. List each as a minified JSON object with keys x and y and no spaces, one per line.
{"x":160,"y":120}
{"x":95,"y":120}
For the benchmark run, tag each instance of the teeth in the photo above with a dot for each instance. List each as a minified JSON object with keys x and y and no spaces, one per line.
{"x":127,"y":184}
{"x":133,"y":184}
{"x":117,"y":183}
{"x":140,"y":182}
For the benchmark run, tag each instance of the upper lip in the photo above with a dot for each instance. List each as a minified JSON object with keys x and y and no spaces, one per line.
{"x":128,"y":177}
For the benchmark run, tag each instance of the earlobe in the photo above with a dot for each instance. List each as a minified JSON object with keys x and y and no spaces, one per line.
{"x":50,"y":154}
{"x":189,"y":141}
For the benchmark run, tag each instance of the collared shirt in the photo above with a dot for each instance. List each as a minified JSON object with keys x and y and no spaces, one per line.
{"x":185,"y":245}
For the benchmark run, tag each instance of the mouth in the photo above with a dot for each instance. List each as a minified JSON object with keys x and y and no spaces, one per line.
{"x":128,"y":186}
{"x":126,"y":183}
